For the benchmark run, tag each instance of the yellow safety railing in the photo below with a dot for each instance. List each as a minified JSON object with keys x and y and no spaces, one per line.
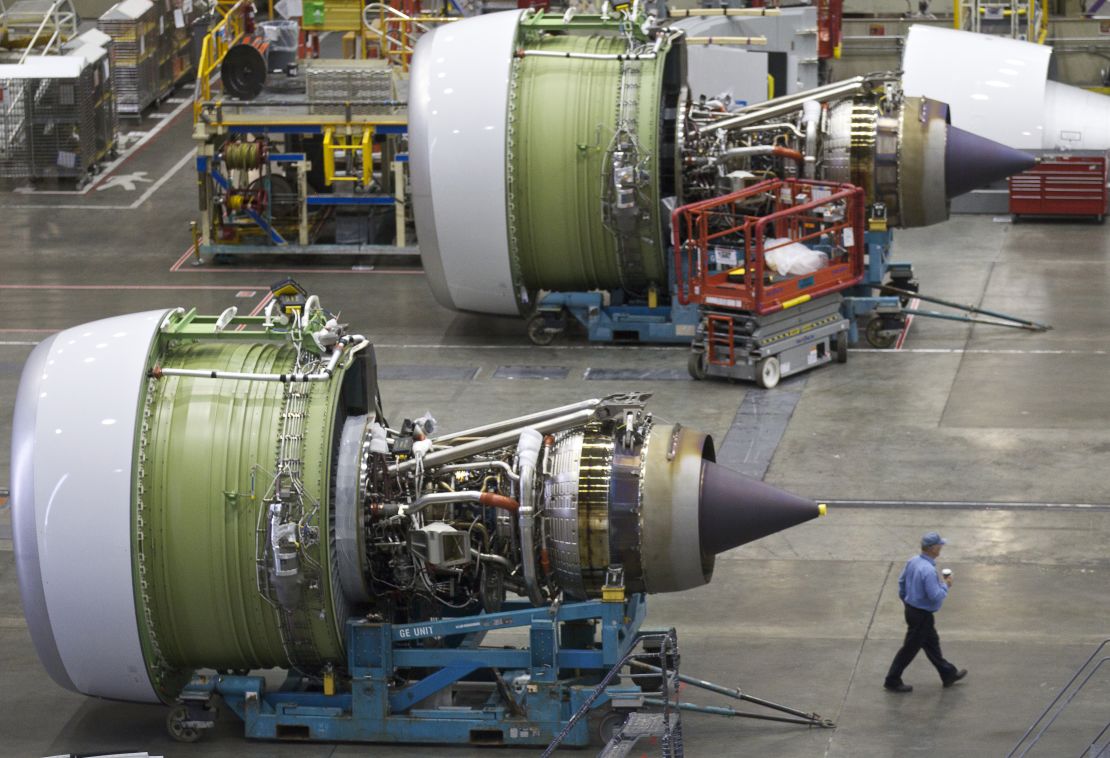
{"x":1036,"y":17}
{"x":397,"y":32}
{"x":225,"y":34}
{"x":1042,"y":30}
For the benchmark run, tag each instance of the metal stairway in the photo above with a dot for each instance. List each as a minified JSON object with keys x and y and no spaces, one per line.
{"x":664,"y":724}
{"x":656,"y":688}
{"x":640,"y":725}
{"x":1099,"y":746}
{"x":37,"y":25}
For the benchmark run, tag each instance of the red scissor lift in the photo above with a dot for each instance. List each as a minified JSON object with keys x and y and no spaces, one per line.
{"x":756,"y":323}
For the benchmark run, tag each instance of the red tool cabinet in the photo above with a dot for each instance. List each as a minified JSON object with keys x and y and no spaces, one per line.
{"x":1069,"y":185}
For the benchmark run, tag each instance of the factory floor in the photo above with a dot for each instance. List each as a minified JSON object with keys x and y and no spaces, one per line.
{"x":996,"y":438}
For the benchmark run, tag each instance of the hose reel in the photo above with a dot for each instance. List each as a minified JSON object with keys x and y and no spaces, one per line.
{"x":245,"y":156}
{"x":244,"y":67}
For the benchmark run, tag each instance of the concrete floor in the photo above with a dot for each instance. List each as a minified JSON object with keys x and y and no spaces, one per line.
{"x":994,"y":437}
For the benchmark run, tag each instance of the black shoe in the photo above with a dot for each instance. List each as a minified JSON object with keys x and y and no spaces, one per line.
{"x":955,"y":677}
{"x":900,"y":687}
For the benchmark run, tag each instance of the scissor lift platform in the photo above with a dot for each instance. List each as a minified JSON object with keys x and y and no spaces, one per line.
{"x":757,"y":323}
{"x":738,"y":345}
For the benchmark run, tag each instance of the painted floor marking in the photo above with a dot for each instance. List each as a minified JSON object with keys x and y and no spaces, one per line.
{"x":262,"y":304}
{"x":906,"y":327}
{"x":184,"y":257}
{"x":977,"y":351}
{"x":126,"y":182}
{"x":257,"y":308}
{"x":967,"y":505}
{"x":132,"y":206}
{"x":179,"y":268}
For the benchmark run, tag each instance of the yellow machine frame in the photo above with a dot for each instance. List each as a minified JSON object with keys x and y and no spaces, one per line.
{"x":347,"y":133}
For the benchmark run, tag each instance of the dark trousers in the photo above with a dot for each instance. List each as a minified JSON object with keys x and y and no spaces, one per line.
{"x":921,"y":634}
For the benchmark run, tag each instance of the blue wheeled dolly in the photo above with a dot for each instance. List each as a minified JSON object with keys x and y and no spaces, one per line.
{"x":432,"y":682}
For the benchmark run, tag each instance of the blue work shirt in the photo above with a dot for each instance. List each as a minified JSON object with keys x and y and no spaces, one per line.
{"x":920,"y":586}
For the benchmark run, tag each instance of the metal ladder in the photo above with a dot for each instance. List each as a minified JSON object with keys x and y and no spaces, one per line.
{"x":668,"y":728}
{"x":1100,"y":745}
{"x":639,"y":725}
{"x":665,"y":725}
{"x":720,"y":340}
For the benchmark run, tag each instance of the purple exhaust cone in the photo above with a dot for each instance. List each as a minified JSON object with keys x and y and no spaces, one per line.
{"x":734,"y":509}
{"x":971,"y":161}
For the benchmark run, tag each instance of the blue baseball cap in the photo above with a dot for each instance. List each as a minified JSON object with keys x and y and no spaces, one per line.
{"x":932,"y":538}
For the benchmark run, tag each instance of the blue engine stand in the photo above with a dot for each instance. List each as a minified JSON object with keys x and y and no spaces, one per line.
{"x":608,"y":321}
{"x":454,"y":691}
{"x":608,"y":317}
{"x":861,"y":301}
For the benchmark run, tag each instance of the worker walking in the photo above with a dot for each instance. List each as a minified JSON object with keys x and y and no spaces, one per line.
{"x":922,"y":591}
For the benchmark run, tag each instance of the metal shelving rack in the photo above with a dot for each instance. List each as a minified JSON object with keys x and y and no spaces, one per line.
{"x":95,"y":47}
{"x":133,"y":27}
{"x":48,"y":121}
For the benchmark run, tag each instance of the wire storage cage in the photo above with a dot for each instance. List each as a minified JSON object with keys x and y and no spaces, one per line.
{"x":104,"y":92}
{"x":176,"y":57}
{"x":133,"y":26}
{"x":363,"y":83}
{"x":95,"y":47}
{"x":48,"y":117}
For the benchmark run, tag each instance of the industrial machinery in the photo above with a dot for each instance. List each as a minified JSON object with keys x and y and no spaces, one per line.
{"x":789,"y":248}
{"x":226,"y":493}
{"x":547,"y":153}
{"x":296,"y":155}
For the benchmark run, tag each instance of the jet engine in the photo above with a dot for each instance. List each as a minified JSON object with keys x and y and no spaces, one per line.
{"x":548,"y":151}
{"x":198,"y":491}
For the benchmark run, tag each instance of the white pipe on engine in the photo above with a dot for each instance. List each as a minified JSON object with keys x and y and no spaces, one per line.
{"x":586,"y":56}
{"x":811,"y":115}
{"x":484,"y":445}
{"x":528,"y":454}
{"x":517,"y":421}
{"x":322,"y":375}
